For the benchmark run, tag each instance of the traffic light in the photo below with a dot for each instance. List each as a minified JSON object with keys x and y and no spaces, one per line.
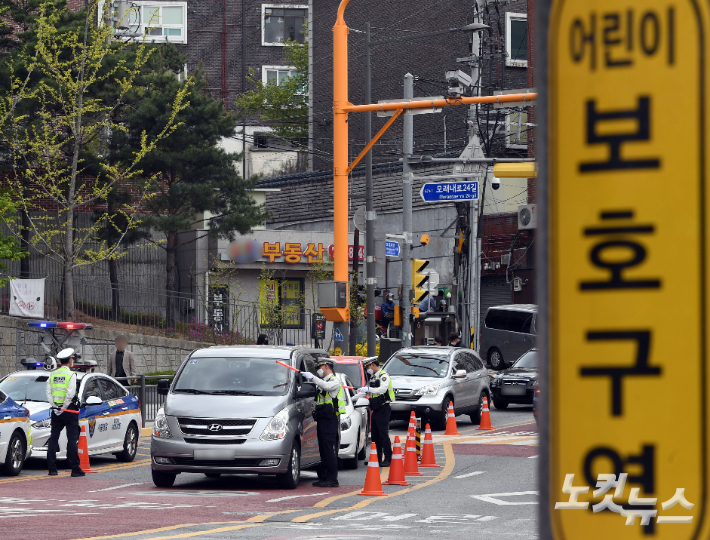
{"x":419,"y":280}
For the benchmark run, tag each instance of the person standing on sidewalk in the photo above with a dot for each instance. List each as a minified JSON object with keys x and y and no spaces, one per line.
{"x":330,"y":404}
{"x":121,"y":362}
{"x":61,"y":395}
{"x":381,"y":395}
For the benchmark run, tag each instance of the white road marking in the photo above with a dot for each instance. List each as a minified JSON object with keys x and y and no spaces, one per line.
{"x":474,"y":473}
{"x":493,"y":498}
{"x":115,"y":487}
{"x":298,"y":496}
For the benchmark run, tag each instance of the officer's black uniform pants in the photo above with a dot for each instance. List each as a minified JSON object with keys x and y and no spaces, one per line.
{"x":70,"y":421}
{"x":380,"y":430}
{"x":328,"y":446}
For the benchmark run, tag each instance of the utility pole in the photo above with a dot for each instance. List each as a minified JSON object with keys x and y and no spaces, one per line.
{"x":407,"y":151}
{"x":354,"y":320}
{"x":369,"y":210}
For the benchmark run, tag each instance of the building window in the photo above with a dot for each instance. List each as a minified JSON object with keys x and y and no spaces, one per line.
{"x":516,"y":130}
{"x":282,"y":23}
{"x":160,"y":21}
{"x":516,"y":39}
{"x":276,"y":74}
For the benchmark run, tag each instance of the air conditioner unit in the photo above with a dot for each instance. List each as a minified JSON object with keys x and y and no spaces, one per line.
{"x":527,"y":217}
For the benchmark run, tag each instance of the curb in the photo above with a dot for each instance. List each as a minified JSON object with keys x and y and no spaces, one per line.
{"x":146,"y":431}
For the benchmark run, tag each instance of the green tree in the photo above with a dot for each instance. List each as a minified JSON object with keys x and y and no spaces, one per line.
{"x":10,"y":250}
{"x":190,"y":174}
{"x":54,"y":146}
{"x":283,"y":106}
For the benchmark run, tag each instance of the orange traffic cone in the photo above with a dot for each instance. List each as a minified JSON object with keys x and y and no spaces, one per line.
{"x":451,"y":422}
{"x":485,"y":416}
{"x":373,"y":485}
{"x":396,"y":477}
{"x":412,"y":422}
{"x":428,"y":457}
{"x":411,"y":467}
{"x":84,"y":452}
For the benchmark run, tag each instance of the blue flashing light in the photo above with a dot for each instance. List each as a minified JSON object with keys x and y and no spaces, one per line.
{"x":42,"y":324}
{"x":39,"y":364}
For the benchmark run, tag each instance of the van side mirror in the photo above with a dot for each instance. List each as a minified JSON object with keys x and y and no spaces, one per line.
{"x":163,"y":387}
{"x":460,"y":374}
{"x":307,"y":390}
{"x":93,"y":400}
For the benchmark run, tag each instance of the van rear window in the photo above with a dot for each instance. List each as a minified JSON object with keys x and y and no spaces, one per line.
{"x":512,"y":321}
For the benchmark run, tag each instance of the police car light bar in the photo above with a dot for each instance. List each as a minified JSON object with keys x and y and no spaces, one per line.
{"x":63,"y":325}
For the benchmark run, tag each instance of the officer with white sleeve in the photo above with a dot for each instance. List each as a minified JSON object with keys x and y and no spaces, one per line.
{"x":330,"y":404}
{"x":381,"y":395}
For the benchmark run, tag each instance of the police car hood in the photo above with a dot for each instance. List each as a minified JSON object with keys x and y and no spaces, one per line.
{"x":39,"y":410}
{"x":201,"y":406}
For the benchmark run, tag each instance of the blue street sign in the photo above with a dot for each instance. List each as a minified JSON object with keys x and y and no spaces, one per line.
{"x":450,"y":191}
{"x":338,"y":335}
{"x":391,"y":248}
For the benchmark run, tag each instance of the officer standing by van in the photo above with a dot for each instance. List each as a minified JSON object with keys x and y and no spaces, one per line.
{"x":61,"y":395}
{"x":330,"y":404}
{"x":381,"y":395}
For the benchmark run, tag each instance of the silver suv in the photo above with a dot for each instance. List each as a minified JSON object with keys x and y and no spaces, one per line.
{"x":236,"y":410}
{"x":427,"y":379}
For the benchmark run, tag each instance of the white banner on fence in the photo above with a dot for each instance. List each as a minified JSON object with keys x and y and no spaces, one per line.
{"x":27,"y":298}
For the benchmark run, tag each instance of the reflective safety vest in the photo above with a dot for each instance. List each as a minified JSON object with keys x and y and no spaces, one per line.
{"x":324,"y":398}
{"x":59,"y":383}
{"x":380,"y":399}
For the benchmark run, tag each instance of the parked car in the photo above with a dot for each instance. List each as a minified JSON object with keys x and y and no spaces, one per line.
{"x":518,"y":383}
{"x":233,"y":409}
{"x":111,"y":413}
{"x":15,"y":436}
{"x":353,"y":428}
{"x":508,"y":332}
{"x":426,"y":379}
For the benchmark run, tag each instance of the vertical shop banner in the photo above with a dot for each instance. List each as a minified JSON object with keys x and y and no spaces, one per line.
{"x":27,"y":298}
{"x":218,"y":308}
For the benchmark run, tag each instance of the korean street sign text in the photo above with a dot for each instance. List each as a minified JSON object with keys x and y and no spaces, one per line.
{"x":391,"y":248}
{"x":628,"y":202}
{"x":449,"y":191}
{"x":218,"y":308}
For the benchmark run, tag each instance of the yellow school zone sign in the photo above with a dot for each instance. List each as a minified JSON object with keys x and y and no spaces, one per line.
{"x":628,"y":269}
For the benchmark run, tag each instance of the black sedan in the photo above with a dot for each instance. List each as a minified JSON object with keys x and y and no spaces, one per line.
{"x":518,"y":383}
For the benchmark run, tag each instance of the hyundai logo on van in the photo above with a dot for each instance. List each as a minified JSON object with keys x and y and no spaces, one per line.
{"x":215,"y":427}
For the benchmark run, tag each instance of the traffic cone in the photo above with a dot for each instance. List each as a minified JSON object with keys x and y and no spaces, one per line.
{"x":428,"y":457}
{"x":485,"y":416}
{"x":84,"y":452}
{"x":411,"y":467}
{"x":373,"y":485}
{"x":451,"y":422}
{"x":412,"y":422}
{"x":396,"y":477}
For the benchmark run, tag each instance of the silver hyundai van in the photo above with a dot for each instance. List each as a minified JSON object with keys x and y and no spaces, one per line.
{"x":234,"y":410}
{"x":508,"y":333}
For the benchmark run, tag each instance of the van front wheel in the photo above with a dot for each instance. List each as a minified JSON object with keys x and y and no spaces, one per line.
{"x":289,"y":479}
{"x":495,"y":359}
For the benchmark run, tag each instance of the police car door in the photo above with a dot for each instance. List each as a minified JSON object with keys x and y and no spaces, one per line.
{"x":95,"y":417}
{"x":119,"y":411}
{"x":12,"y":418}
{"x":309,"y":439}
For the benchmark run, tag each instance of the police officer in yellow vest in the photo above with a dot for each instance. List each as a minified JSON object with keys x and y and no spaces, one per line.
{"x":381,"y":395}
{"x":330,"y":404}
{"x":61,"y":395}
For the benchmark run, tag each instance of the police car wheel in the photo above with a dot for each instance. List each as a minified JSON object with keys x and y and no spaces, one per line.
{"x":163,"y":479}
{"x":289,"y":479}
{"x":130,"y":445}
{"x":15,"y":459}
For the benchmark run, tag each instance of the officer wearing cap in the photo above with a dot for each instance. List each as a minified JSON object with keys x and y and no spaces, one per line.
{"x":330,"y":404}
{"x":381,"y":395}
{"x":61,"y":395}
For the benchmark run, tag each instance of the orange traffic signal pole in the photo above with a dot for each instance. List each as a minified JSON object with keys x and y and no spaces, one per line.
{"x":341,"y":168}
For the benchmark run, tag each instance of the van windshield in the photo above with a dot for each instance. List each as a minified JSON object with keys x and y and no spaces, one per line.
{"x":418,"y":365}
{"x":234,"y":376}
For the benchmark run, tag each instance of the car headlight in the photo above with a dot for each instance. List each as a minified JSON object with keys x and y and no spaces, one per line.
{"x":160,"y":426}
{"x":276,"y":429}
{"x":427,"y":390}
{"x":496,"y":381}
{"x":345,"y":423}
{"x":46,"y":423}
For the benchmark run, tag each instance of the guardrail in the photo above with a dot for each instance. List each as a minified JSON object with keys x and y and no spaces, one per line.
{"x":148,"y":396}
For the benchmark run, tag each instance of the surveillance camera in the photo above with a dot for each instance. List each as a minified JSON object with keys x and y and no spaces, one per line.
{"x":495,"y":183}
{"x":458,"y":81}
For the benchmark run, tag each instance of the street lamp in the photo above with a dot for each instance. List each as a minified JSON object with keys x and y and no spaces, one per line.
{"x":369,"y":202}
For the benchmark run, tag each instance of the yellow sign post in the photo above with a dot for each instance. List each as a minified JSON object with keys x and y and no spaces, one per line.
{"x":628,"y":215}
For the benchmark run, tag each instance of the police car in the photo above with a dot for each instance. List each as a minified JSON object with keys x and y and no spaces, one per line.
{"x":15,"y":436}
{"x":109,"y":412}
